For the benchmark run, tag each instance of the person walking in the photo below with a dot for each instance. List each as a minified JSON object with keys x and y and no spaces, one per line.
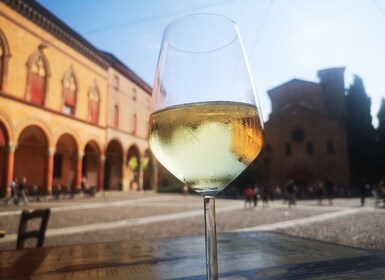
{"x":248,"y":196}
{"x":256,"y":196}
{"x":13,"y":195}
{"x":362,"y":187}
{"x":329,"y":190}
{"x":291,"y":191}
{"x":22,"y":191}
{"x":319,"y":192}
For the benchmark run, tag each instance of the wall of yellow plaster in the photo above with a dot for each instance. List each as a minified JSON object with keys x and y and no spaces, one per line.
{"x":23,"y":38}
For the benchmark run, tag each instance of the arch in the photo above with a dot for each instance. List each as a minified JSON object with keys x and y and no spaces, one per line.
{"x":69,"y":92}
{"x":95,"y":143}
{"x":113,"y":168}
{"x":38,"y":72}
{"x":65,"y":160}
{"x":7,"y":126}
{"x":31,"y":156}
{"x":68,"y":131}
{"x":302,"y":173}
{"x":4,"y":57}
{"x":38,"y":122}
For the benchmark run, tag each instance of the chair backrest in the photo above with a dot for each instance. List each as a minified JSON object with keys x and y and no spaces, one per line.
{"x":39,"y":234}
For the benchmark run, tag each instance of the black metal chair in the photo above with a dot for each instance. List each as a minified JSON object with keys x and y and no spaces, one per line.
{"x":39,"y":234}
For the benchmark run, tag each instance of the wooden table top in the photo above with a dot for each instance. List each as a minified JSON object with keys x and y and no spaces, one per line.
{"x":249,"y":255}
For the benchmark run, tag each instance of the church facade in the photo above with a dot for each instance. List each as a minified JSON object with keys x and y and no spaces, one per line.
{"x":305,"y":136}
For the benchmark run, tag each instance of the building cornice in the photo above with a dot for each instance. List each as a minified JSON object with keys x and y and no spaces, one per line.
{"x":46,"y":109}
{"x":127,"y":72}
{"x":46,"y":20}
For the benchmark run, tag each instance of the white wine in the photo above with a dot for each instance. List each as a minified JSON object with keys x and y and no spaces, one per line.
{"x":206,"y":145}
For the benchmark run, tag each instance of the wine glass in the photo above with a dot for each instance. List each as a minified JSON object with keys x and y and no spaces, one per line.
{"x":205,"y":126}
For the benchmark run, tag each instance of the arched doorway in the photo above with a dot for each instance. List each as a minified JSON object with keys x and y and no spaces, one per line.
{"x":133,"y":165}
{"x":90,"y":164}
{"x":65,"y":159}
{"x":302,"y":177}
{"x":31,"y":157}
{"x":113,"y":166}
{"x":3,"y":158}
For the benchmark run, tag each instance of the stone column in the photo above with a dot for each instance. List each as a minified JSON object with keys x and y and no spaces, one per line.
{"x":125,"y":179}
{"x":100,"y":186}
{"x":78,"y":171}
{"x":142,"y":165}
{"x":9,"y":167}
{"x":141,"y":173}
{"x":49,"y":170}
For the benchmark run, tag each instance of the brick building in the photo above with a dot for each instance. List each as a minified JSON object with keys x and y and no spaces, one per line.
{"x":305,"y":136}
{"x":67,"y":110}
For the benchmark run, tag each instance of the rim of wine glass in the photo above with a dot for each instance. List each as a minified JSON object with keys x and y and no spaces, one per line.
{"x":167,"y":30}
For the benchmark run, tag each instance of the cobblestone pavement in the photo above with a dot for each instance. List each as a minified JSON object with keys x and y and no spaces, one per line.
{"x":120,"y":216}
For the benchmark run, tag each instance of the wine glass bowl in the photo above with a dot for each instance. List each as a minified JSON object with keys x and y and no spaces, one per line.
{"x":206,"y":125}
{"x":206,"y":145}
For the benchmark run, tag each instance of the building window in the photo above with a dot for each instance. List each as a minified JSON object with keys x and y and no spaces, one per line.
{"x":330,"y":147}
{"x":309,"y":148}
{"x":116,"y":82}
{"x":288,"y":149}
{"x":4,"y":55}
{"x":69,"y":93}
{"x":94,"y":102}
{"x":57,"y":165}
{"x":134,"y":124}
{"x":266,"y":161}
{"x":37,"y":78}
{"x":116,"y":116}
{"x":297,"y":135}
{"x":268,"y":148}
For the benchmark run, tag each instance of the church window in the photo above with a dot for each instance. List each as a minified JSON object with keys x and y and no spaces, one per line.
{"x":297,"y":135}
{"x":288,"y":149}
{"x":330,"y":147}
{"x":309,"y":148}
{"x":268,"y":148}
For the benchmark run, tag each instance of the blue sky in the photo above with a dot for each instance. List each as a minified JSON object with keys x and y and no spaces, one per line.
{"x":283,"y":39}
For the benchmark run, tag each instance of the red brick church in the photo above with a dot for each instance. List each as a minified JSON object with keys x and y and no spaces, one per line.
{"x":305,"y":136}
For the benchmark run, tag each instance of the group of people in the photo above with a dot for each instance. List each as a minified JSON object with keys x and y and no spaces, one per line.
{"x":323,"y":189}
{"x":18,"y":191}
{"x":258,"y":193}
{"x":377,"y":191}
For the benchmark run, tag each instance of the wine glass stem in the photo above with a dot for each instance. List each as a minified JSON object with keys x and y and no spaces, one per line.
{"x":211,"y":238}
